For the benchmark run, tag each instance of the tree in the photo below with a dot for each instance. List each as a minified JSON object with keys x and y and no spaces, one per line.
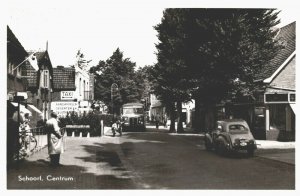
{"x":119,"y":70}
{"x":214,"y":54}
{"x":171,"y":71}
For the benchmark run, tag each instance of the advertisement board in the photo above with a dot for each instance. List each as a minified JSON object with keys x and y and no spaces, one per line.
{"x":63,"y":107}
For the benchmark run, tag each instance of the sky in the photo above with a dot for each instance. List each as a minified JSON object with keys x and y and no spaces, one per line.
{"x":98,"y":28}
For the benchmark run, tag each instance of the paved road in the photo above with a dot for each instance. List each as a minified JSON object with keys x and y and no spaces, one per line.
{"x":151,"y":160}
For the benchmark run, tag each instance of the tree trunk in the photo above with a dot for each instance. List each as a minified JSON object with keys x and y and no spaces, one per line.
{"x":179,"y":119}
{"x":210,"y":117}
{"x":172,"y":118}
{"x":196,"y":123}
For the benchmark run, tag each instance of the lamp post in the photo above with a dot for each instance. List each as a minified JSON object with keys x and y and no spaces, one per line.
{"x":113,"y":90}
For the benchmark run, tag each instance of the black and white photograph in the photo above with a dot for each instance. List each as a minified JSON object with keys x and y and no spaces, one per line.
{"x":149,"y":95}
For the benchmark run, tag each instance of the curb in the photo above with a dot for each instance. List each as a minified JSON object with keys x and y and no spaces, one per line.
{"x":275,"y":160}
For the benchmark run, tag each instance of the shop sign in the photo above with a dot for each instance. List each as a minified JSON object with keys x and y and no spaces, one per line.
{"x":64,"y":107}
{"x":67,"y":95}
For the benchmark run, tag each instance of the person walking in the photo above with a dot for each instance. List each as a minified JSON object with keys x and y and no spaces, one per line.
{"x":55,"y":143}
{"x":157,"y":121}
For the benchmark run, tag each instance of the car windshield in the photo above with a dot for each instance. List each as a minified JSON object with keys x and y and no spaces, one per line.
{"x":237,"y":128}
{"x":132,"y":110}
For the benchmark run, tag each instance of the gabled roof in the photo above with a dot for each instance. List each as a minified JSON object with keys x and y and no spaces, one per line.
{"x":39,"y":54}
{"x":287,"y":37}
{"x":64,"y":78}
{"x":14,"y":47}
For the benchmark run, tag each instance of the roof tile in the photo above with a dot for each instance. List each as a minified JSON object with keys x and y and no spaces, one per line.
{"x":287,"y":38}
{"x":63,"y":78}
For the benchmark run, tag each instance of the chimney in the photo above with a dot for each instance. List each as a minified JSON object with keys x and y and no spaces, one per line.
{"x":47,"y":45}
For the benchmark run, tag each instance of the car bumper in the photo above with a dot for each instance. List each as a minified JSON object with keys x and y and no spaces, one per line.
{"x":244,"y":147}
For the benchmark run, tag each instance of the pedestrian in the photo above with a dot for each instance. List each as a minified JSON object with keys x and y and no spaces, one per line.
{"x":55,"y":143}
{"x":165,"y":120}
{"x":114,"y":128}
{"x":119,"y":127}
{"x":12,"y":135}
{"x":157,"y":121}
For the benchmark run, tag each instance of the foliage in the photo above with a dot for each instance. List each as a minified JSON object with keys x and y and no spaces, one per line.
{"x":118,"y":70}
{"x":90,"y":118}
{"x":214,"y":53}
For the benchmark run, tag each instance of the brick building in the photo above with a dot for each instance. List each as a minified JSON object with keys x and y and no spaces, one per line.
{"x":72,"y":90}
{"x":40,"y":85}
{"x":272,"y":115}
{"x":279,"y":76}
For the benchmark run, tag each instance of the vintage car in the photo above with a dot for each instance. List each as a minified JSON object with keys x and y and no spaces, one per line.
{"x":231,"y":135}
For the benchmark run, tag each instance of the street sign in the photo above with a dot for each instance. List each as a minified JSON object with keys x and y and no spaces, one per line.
{"x":67,"y":95}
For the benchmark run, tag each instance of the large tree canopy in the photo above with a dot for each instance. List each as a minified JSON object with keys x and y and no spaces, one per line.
{"x":118,"y":70}
{"x":213,"y":53}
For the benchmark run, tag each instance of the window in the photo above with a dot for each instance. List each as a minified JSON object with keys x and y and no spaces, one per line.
{"x":19,"y":71}
{"x":10,"y":67}
{"x":46,"y":79}
{"x":237,"y":128}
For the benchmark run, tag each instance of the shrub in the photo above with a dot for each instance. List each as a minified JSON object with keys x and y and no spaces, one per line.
{"x":91,"y":119}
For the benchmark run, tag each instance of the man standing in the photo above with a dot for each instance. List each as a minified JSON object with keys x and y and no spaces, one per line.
{"x":55,"y":143}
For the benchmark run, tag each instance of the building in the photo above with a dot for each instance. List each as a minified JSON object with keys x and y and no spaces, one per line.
{"x":279,"y":76}
{"x":18,"y":81}
{"x":63,"y":96}
{"x":272,"y":115}
{"x":40,"y":85}
{"x":158,"y":109}
{"x":72,"y":90}
{"x":16,"y":54}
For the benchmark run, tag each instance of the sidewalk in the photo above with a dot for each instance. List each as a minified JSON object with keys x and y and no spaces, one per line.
{"x":88,"y":163}
{"x":267,"y":144}
{"x":271,"y":150}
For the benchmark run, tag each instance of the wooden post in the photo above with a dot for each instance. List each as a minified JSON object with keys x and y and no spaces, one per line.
{"x":267,"y":118}
{"x":80,"y":134}
{"x":88,"y":135}
{"x":102,"y":128}
{"x":73,"y":134}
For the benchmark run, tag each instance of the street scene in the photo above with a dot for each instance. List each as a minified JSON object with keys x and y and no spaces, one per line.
{"x":155,"y":159}
{"x":175,"y":98}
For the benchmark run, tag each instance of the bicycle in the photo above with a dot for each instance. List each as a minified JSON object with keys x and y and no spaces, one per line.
{"x":27,"y":142}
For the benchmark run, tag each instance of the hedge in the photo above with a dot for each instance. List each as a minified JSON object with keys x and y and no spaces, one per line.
{"x":91,"y":119}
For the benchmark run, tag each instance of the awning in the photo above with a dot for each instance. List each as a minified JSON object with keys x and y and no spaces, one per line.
{"x":293,"y":106}
{"x":22,"y":108}
{"x":34,"y":108}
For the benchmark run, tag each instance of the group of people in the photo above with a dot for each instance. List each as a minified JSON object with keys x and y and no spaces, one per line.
{"x":16,"y":125}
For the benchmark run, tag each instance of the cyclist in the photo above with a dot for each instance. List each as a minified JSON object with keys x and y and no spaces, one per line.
{"x":116,"y":127}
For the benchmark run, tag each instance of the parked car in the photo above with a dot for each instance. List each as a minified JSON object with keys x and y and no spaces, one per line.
{"x":231,"y":135}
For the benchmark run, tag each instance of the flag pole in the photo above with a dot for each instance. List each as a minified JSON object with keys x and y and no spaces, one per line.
{"x":22,"y":62}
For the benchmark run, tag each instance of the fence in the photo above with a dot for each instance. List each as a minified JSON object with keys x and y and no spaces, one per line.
{"x":41,"y":137}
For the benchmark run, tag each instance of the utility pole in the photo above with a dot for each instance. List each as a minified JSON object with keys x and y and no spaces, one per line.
{"x":113,"y":90}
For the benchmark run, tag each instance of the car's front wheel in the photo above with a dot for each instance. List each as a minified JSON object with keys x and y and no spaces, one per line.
{"x":208,"y":145}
